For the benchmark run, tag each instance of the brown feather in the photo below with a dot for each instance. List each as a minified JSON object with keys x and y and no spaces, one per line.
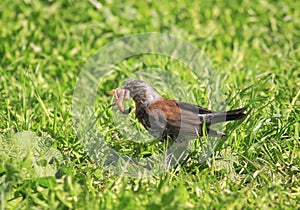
{"x":165,"y":118}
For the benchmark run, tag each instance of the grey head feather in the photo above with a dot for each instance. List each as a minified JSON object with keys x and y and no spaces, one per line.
{"x":142,"y":92}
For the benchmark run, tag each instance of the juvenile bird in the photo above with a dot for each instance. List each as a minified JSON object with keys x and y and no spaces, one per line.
{"x":167,"y":118}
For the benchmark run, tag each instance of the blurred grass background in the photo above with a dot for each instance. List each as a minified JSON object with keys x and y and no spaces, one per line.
{"x":254,"y":46}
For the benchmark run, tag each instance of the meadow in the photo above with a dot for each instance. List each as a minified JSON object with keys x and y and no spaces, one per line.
{"x":253,"y":48}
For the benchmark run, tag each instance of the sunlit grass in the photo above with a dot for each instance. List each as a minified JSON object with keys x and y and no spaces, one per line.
{"x":253,"y":46}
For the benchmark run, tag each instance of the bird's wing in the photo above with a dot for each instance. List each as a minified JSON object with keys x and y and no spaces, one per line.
{"x":193,"y":108}
{"x":192,"y":116}
{"x":175,"y":117}
{"x":163,"y":113}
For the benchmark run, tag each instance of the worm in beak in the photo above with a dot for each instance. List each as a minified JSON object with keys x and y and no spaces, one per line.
{"x":119,"y":95}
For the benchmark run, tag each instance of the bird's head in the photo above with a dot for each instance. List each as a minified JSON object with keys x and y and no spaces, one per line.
{"x":141,"y":92}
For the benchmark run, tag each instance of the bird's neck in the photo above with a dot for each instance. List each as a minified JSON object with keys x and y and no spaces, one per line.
{"x":146,"y":98}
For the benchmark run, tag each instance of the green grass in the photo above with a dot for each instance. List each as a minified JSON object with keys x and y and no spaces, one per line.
{"x":254,"y":47}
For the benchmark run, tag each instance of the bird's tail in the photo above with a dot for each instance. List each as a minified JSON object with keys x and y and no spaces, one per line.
{"x":217,"y":117}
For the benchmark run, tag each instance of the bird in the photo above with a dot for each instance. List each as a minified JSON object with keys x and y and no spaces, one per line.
{"x":172,"y":119}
